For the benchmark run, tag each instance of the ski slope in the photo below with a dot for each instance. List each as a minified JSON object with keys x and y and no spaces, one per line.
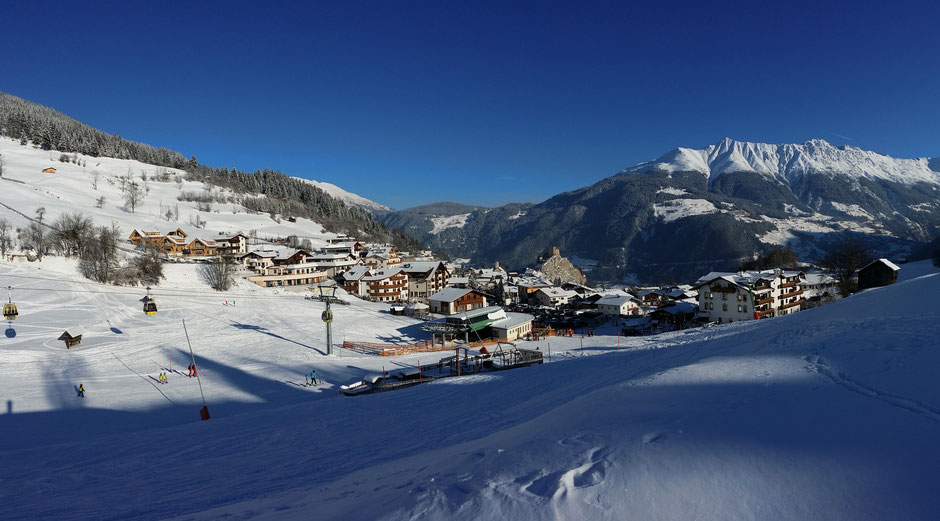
{"x":833,"y":413}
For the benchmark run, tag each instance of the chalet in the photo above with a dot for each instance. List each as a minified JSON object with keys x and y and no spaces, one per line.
{"x":387,"y":285}
{"x":726,"y":297}
{"x":200,"y":248}
{"x":458,"y":282}
{"x":49,"y":170}
{"x":179,"y":233}
{"x":425,"y":278}
{"x":580,"y":289}
{"x":619,"y":305}
{"x":675,"y":315}
{"x":334,"y":263}
{"x":381,"y":257}
{"x":72,"y":336}
{"x":353,"y":248}
{"x":173,"y":245}
{"x":554,"y":297}
{"x":232,"y":244}
{"x":290,"y":256}
{"x":881,"y":272}
{"x":140,"y":237}
{"x":288,"y":275}
{"x":454,"y":300}
{"x":818,"y":285}
{"x":650,"y":296}
{"x":255,"y":260}
{"x":353,"y":283}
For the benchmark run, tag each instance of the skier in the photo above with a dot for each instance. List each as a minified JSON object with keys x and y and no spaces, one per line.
{"x":190,"y":368}
{"x":81,"y":390}
{"x":194,"y":370}
{"x":306,"y":379}
{"x":313,"y":377}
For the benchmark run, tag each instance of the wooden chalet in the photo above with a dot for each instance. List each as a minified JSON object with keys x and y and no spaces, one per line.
{"x":72,"y":337}
{"x":881,"y":272}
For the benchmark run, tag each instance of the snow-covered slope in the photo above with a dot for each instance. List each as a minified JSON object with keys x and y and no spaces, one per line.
{"x":790,"y":162}
{"x":72,"y":188}
{"x":349,"y":197}
{"x":831,"y":413}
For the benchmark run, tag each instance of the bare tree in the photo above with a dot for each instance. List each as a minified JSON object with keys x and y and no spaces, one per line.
{"x":1,"y":165}
{"x":149,"y":266}
{"x":99,"y":260}
{"x":133,"y":196}
{"x":94,"y":180}
{"x":70,"y":234}
{"x":99,"y":202}
{"x":6,"y":236}
{"x":843,"y":261}
{"x":219,"y":273}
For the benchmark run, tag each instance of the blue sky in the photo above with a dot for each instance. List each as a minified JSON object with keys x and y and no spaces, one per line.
{"x":408,"y":103}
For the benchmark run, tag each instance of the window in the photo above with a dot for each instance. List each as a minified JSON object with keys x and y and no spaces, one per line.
{"x":724,"y":307}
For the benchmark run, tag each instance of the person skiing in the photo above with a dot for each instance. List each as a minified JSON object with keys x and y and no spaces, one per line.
{"x":194,"y":369}
{"x":306,"y":379}
{"x":313,"y":377}
{"x":81,"y":390}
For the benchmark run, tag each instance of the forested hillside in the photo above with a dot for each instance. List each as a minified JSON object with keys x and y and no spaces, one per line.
{"x":265,"y":190}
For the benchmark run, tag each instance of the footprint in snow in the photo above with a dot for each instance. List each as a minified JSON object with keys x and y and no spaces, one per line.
{"x":652,"y":437}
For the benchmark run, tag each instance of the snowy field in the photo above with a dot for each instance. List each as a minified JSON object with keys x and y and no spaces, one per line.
{"x":832,"y":413}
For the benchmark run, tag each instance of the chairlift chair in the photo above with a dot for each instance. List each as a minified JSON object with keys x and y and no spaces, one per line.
{"x":150,"y":307}
{"x":9,"y":309}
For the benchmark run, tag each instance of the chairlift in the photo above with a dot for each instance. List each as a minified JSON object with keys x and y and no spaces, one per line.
{"x":9,"y":309}
{"x":150,"y":307}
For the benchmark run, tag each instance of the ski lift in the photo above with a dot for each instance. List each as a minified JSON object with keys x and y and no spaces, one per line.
{"x":9,"y":309}
{"x":150,"y":307}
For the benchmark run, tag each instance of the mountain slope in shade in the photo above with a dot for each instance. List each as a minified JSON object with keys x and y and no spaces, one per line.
{"x":694,"y":210}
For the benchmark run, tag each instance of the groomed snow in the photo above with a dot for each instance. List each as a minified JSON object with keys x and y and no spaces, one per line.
{"x":831,"y":413}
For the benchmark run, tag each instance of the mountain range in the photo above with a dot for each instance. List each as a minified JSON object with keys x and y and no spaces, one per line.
{"x":693,"y":210}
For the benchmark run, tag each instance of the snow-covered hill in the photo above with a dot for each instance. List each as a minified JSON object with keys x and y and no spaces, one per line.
{"x":831,"y":413}
{"x":76,"y":187}
{"x":350,"y":198}
{"x":789,"y":163}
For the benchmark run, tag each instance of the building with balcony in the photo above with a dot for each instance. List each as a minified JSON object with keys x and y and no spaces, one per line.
{"x":727,"y":297}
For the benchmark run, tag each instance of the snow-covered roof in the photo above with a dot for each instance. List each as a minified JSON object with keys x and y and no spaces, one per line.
{"x":615,"y":300}
{"x":554,"y":292}
{"x":512,"y":320}
{"x":356,"y":273}
{"x":382,"y":274}
{"x":745,"y":278}
{"x":449,"y":294}
{"x":886,"y":262}
{"x":422,"y":266}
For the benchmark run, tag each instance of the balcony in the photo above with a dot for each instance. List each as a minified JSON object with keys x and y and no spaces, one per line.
{"x":764,"y":313}
{"x":763,"y":301}
{"x":789,"y":284}
{"x":793,"y":304}
{"x":792,"y":294}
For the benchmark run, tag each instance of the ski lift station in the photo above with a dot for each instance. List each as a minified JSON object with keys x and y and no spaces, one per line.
{"x":482,"y":323}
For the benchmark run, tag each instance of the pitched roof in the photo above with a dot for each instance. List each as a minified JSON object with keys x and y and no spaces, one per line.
{"x":449,"y":294}
{"x":886,"y":262}
{"x":615,"y":300}
{"x":356,"y":273}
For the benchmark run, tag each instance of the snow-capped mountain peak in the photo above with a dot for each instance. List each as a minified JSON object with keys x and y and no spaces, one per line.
{"x":791,"y":162}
